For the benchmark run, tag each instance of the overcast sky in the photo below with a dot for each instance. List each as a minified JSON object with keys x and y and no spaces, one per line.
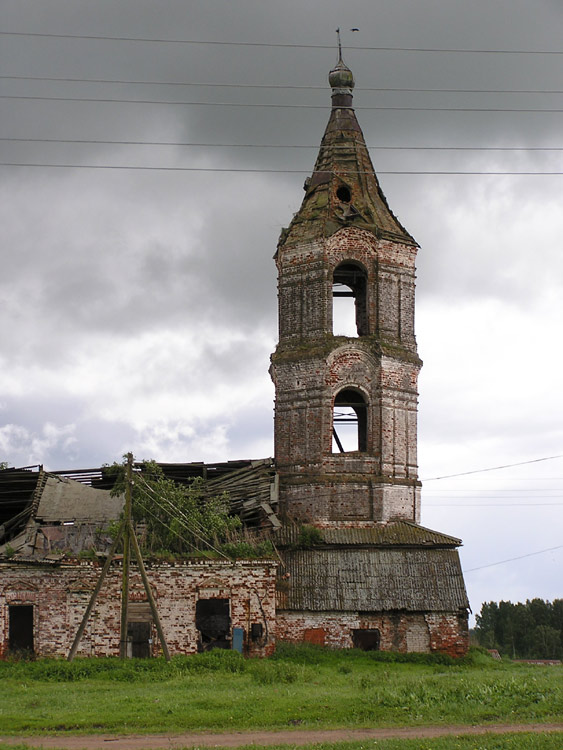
{"x":139,"y":306}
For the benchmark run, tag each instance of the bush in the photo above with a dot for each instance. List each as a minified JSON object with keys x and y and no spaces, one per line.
{"x":308,"y":653}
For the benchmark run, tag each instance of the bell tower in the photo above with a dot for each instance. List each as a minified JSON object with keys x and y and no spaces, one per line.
{"x":346,"y":397}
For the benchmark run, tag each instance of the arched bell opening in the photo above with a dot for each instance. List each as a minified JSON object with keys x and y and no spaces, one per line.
{"x":349,"y":422}
{"x":349,"y":300}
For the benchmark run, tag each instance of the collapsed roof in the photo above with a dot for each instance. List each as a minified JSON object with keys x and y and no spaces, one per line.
{"x":50,"y":514}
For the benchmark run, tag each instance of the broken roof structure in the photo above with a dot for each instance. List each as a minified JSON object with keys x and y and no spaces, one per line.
{"x":68,"y":512}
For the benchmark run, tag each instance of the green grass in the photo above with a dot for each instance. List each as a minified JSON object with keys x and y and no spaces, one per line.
{"x":299,"y":687}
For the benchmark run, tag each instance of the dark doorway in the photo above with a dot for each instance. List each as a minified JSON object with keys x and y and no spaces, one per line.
{"x":367,"y":640}
{"x":20,"y":636}
{"x":212,"y":619}
{"x":139,"y":635}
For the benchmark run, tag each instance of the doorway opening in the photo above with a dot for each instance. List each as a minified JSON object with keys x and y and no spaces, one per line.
{"x":20,"y":633}
{"x":139,"y":639}
{"x":213,"y":620}
{"x":139,"y":630}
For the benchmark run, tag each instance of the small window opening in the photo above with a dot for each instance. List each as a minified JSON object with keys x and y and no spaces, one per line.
{"x":212,"y":619}
{"x":349,"y":424}
{"x":343,"y":194}
{"x":349,"y":294}
{"x":366,"y":639}
{"x":20,"y":633}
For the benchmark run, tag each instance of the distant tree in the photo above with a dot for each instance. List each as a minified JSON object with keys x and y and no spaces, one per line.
{"x":485,"y":625}
{"x":546,"y":642}
{"x":532,"y":630}
{"x":3,"y":465}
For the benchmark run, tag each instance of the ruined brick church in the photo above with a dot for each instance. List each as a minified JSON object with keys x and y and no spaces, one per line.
{"x":341,"y":497}
{"x":378,"y":579}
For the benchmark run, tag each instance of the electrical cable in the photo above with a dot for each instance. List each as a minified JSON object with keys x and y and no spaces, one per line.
{"x":277,"y":86}
{"x":493,"y":468}
{"x":512,"y":559}
{"x":280,"y":45}
{"x":274,"y":171}
{"x":276,"y":105}
{"x":188,"y":523}
{"x":491,"y":505}
{"x":269,"y":145}
{"x":166,"y":526}
{"x":171,"y":506}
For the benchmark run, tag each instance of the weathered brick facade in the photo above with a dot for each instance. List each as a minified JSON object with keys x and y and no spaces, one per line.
{"x":59,"y":595}
{"x":352,"y":588}
{"x":445,"y":632}
{"x":311,"y":366}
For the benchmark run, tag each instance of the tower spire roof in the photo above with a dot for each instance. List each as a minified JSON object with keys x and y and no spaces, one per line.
{"x":343,"y":189}
{"x":341,"y":80}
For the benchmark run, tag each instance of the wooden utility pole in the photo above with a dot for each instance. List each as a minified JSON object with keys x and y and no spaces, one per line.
{"x":126,"y":557}
{"x":90,"y":607}
{"x":127,"y":533}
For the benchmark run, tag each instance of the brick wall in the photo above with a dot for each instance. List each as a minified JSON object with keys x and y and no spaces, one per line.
{"x":59,"y":596}
{"x":443,"y":632}
{"x":311,"y":366}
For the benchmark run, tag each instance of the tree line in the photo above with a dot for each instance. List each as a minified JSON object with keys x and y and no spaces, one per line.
{"x":533,"y":630}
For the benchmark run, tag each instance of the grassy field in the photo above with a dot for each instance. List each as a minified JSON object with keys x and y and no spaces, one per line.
{"x":299,"y":687}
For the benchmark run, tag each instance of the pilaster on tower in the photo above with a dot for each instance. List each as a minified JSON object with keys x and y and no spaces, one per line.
{"x":346,"y":405}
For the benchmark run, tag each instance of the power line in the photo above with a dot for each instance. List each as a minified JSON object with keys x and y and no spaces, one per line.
{"x":186,"y":522}
{"x":281,"y":45}
{"x":494,"y":468}
{"x":270,"y":145}
{"x":276,"y":105}
{"x":275,"y":86}
{"x":467,"y":494}
{"x":512,"y":559}
{"x":166,"y":526}
{"x":491,"y":505}
{"x":507,"y":479}
{"x":275,"y":171}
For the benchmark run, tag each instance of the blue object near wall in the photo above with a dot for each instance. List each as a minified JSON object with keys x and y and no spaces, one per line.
{"x":238,"y":636}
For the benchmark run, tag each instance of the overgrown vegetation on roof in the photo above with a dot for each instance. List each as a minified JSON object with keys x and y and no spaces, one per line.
{"x":183,"y":519}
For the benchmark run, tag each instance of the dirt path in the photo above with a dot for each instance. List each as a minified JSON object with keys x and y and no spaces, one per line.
{"x":284,"y":737}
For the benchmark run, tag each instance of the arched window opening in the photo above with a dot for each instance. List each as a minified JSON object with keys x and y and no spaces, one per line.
{"x":349,"y":295}
{"x":349,"y":422}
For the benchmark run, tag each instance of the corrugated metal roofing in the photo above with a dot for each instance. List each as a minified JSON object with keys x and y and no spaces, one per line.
{"x":371,"y":580}
{"x":402,"y":533}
